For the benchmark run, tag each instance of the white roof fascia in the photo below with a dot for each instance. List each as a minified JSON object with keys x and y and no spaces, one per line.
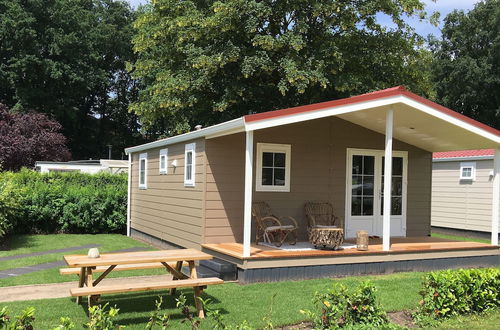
{"x":456,"y":159}
{"x":452,"y":120}
{"x":228,"y":127}
{"x":321,"y":113}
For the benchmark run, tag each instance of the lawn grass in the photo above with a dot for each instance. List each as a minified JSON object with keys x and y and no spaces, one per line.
{"x":23,"y":244}
{"x":461,"y":238}
{"x":484,"y":321}
{"x":237,"y":302}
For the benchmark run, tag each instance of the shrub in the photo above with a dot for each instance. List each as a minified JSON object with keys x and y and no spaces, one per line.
{"x":63,"y":202}
{"x":340,"y":307}
{"x":455,"y":292}
{"x":102,"y":319}
{"x":9,"y":205}
{"x":24,"y":321}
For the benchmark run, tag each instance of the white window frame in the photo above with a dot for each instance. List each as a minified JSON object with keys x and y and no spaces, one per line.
{"x":271,"y":147}
{"x":144,"y":156}
{"x":191,"y":147}
{"x":472,"y":166}
{"x":164,"y":155}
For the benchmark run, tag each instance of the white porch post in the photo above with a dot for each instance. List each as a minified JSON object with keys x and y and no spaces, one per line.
{"x":129,"y":192}
{"x":247,"y":219}
{"x":496,"y":197}
{"x":386,"y":237}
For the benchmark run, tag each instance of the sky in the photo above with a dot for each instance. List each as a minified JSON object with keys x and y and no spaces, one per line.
{"x":424,"y":29}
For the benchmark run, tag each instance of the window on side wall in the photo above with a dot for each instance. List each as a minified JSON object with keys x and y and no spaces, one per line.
{"x":273,"y":167}
{"x":163,"y":161}
{"x":468,"y":171}
{"x":143,"y":171}
{"x":189,"y":165}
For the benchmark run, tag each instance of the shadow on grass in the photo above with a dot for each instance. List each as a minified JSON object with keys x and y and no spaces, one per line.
{"x":140,"y":302}
{"x":16,"y":242}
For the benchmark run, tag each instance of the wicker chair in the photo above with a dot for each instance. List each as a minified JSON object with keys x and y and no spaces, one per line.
{"x":271,"y":228}
{"x":322,"y":225}
{"x":320,"y":214}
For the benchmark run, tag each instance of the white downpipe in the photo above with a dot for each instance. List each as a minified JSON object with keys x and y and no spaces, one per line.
{"x":247,"y":219}
{"x":496,"y":198}
{"x":129,"y":191}
{"x":386,"y":237}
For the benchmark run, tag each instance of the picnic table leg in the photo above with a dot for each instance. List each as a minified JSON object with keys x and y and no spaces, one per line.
{"x":90,"y":283}
{"x":197,"y":291}
{"x":81,"y":283}
{"x":178,"y":267}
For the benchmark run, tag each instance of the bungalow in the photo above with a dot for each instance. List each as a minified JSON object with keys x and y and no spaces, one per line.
{"x":462,"y":191}
{"x":195,"y":190}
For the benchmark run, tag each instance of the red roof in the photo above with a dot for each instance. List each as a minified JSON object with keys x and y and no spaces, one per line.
{"x":464,"y":153}
{"x":393,"y":91}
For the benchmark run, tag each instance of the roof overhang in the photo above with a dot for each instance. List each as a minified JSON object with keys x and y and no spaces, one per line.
{"x":225,"y":128}
{"x":417,"y":121}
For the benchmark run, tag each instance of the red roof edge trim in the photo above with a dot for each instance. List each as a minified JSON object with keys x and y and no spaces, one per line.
{"x":323,"y":105}
{"x":463,"y":153}
{"x":451,"y":113}
{"x":393,"y":91}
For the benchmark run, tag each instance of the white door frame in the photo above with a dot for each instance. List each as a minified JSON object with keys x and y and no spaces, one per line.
{"x":377,"y":211}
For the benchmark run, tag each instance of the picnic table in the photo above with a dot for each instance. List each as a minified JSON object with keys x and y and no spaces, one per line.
{"x":171,"y":260}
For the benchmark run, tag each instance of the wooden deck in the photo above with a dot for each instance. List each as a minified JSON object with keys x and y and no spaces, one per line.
{"x":398,"y":246}
{"x":268,"y":264}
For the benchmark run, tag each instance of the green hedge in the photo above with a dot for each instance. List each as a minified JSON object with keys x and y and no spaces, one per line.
{"x":31,"y":202}
{"x":456,"y":292}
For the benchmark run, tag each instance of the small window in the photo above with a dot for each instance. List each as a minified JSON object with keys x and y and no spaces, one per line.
{"x":189,"y":165}
{"x":467,"y":171}
{"x":143,"y":170}
{"x":163,"y":161}
{"x":273,"y":167}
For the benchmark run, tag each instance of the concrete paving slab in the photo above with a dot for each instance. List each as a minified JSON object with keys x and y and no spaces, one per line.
{"x":61,"y":290}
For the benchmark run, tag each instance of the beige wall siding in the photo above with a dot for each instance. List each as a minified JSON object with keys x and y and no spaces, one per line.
{"x":167,"y":209}
{"x":318,"y":172}
{"x":462,"y":204}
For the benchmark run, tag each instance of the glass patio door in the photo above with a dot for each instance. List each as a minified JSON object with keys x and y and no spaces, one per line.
{"x":364,"y":194}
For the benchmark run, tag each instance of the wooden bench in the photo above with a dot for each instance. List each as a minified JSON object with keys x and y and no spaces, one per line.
{"x":199,"y":283}
{"x":102,"y":269}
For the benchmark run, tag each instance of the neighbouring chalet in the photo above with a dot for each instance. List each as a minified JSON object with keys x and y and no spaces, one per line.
{"x":196,"y":190}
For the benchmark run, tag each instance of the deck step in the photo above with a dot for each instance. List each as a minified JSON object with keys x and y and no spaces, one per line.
{"x":224,"y":270}
{"x":132,"y":287}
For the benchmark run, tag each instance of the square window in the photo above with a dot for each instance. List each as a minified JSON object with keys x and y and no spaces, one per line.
{"x":273,"y":167}
{"x":468,"y":171}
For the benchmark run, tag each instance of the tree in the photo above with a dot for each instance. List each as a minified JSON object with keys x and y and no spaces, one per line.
{"x":202,"y":62}
{"x":28,"y":137}
{"x":466,"y":66}
{"x":66,"y":58}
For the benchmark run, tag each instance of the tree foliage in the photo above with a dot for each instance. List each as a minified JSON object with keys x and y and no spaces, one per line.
{"x":466,"y":66}
{"x":202,"y":62}
{"x":67,"y":58}
{"x":28,"y":137}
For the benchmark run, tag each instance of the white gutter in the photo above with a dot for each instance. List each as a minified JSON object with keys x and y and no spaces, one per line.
{"x":456,"y":159}
{"x":228,"y":127}
{"x":129,"y":191}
